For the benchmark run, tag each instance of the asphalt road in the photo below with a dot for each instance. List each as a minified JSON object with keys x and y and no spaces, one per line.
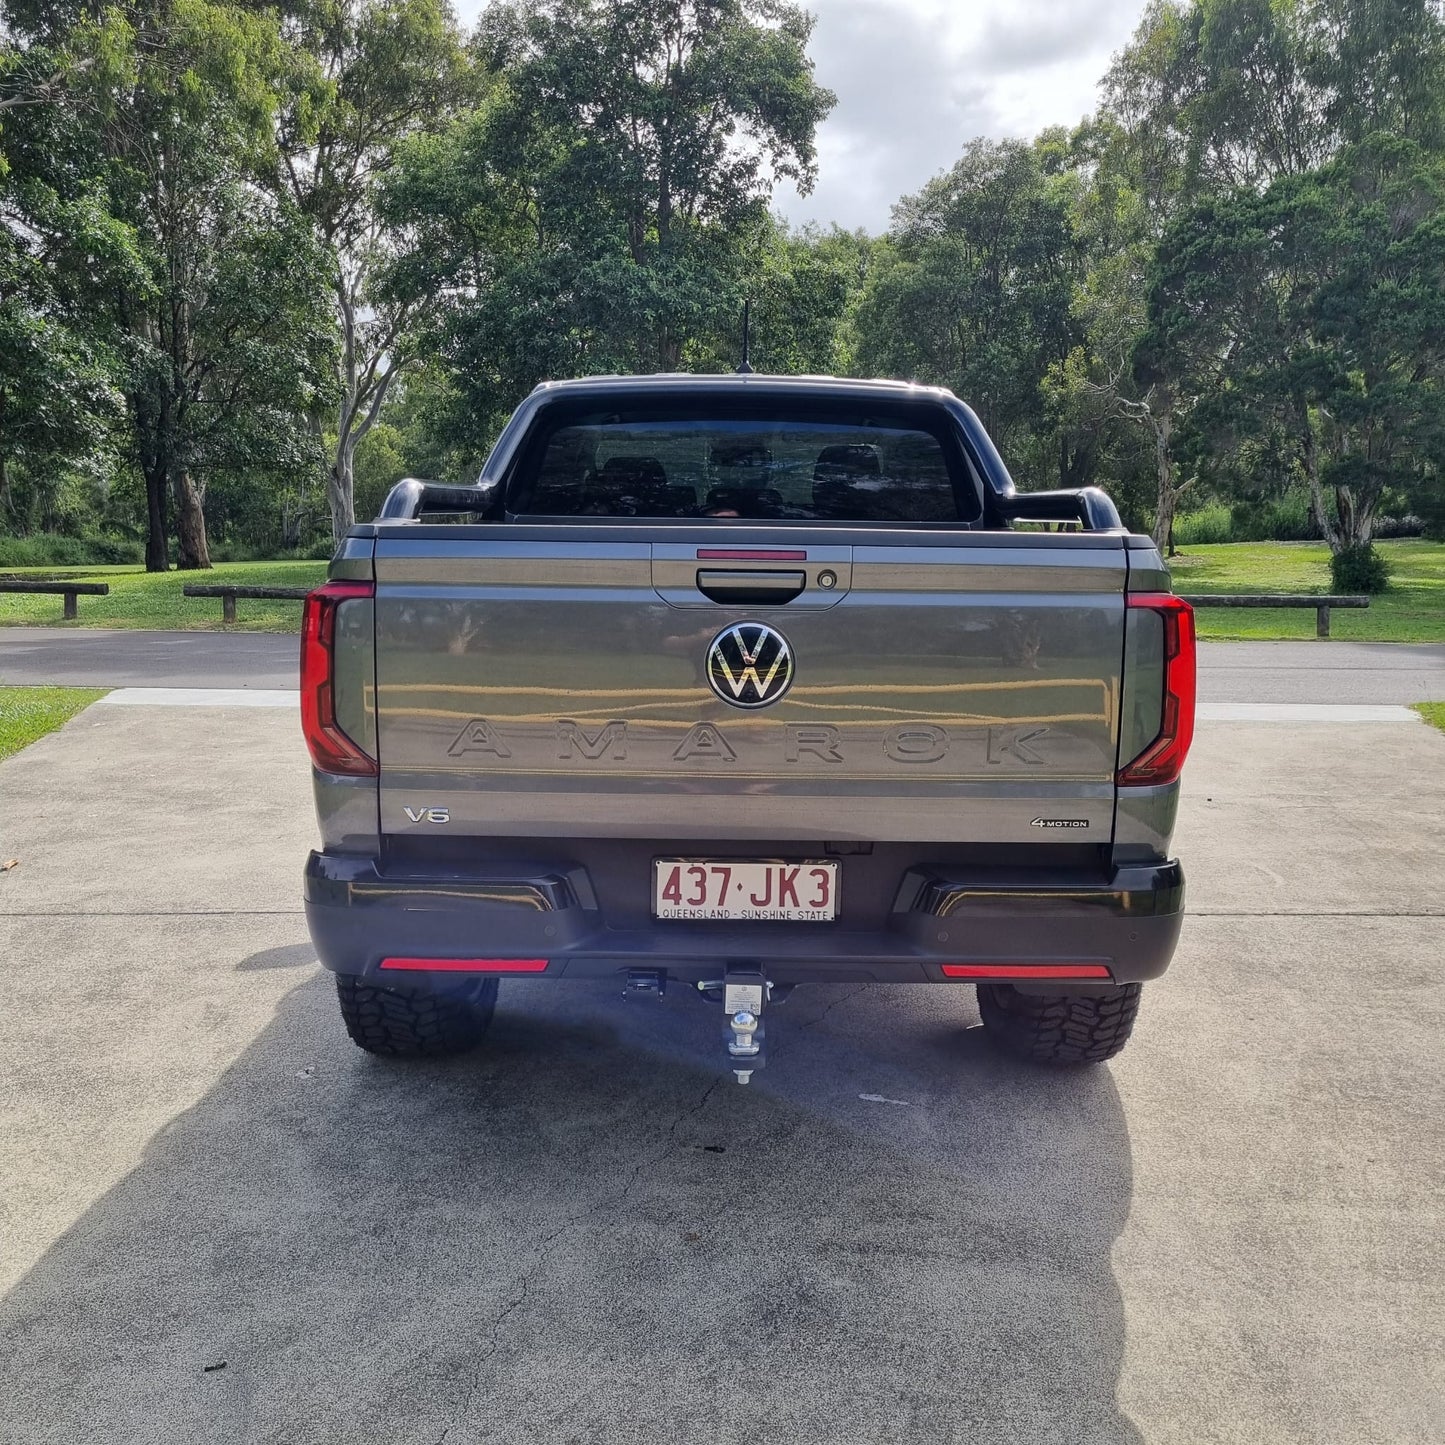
{"x":125,"y":657}
{"x":222,"y":1223}
{"x":1250,"y":672}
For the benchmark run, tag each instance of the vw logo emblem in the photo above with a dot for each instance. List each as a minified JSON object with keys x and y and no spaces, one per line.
{"x":749,"y":665}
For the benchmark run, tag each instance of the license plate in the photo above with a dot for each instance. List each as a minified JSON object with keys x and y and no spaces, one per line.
{"x":704,"y":888}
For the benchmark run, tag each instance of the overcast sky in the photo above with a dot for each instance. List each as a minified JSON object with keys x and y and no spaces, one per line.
{"x":916,"y":79}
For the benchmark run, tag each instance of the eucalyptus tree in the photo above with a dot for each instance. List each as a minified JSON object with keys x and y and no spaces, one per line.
{"x":973,"y":290}
{"x":1213,"y":107}
{"x":669,"y":120}
{"x":1310,"y":318}
{"x":61,"y":367}
{"x":369,"y":75}
{"x":167,"y":115}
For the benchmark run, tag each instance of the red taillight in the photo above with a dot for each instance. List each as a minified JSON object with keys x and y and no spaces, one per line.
{"x":331,"y":750}
{"x":468,"y":965}
{"x":1163,"y":760}
{"x":1025,"y":970}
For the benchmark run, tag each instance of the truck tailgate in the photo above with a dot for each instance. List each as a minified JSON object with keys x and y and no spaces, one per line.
{"x":554,"y":681}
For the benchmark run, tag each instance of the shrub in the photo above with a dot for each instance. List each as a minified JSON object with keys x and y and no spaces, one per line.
{"x":1201,"y":528}
{"x":1406,"y":525}
{"x":48,"y":550}
{"x":1281,"y":519}
{"x":114,"y":551}
{"x":1360,"y":568}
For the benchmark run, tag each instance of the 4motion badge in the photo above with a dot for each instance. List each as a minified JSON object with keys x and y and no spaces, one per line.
{"x":1059,"y":823}
{"x":749,"y":665}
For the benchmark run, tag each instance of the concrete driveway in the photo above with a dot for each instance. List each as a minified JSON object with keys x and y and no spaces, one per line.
{"x":221,"y":1223}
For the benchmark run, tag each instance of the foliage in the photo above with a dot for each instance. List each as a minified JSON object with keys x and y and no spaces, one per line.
{"x":257,"y":263}
{"x":201,"y":300}
{"x":48,"y":549}
{"x":1433,"y":713}
{"x":28,"y":713}
{"x":601,"y":209}
{"x":369,"y":74}
{"x":1359,"y":568}
{"x":60,"y":404}
{"x":1309,"y":320}
{"x":974,"y":291}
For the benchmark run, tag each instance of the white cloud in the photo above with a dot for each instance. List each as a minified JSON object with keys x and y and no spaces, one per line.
{"x":917,"y":79}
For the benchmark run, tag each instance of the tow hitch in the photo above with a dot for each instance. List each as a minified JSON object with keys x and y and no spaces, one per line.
{"x":744,"y":994}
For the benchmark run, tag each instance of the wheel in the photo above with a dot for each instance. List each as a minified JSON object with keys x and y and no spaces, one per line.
{"x":416,"y":1023}
{"x":1059,"y":1028}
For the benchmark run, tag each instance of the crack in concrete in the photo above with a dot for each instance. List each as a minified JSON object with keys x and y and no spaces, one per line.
{"x":837,"y":1003}
{"x":544,"y":1250}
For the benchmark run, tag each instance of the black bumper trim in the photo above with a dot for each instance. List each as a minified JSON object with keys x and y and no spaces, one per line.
{"x":359,"y":915}
{"x":1148,"y":891}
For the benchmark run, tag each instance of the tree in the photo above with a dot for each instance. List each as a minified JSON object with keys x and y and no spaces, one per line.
{"x":61,"y":373}
{"x":803,"y":286}
{"x":166,"y":114}
{"x":974,"y":291}
{"x":669,"y":120}
{"x":599,"y":210}
{"x":371,"y":74}
{"x":1309,"y":318}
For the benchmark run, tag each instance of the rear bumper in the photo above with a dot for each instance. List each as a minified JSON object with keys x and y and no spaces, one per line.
{"x":361,"y":913}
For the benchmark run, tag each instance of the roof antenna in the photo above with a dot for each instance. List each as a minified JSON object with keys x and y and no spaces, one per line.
{"x":745,"y":366}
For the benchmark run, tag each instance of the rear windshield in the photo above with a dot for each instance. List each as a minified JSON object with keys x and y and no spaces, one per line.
{"x":820,"y":468}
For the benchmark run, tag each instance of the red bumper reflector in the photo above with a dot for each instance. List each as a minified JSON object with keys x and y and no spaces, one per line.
{"x":1025,"y":970}
{"x":733,"y":554}
{"x":468,"y":965}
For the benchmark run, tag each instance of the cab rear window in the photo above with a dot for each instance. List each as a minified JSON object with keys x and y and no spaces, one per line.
{"x":816,"y":468}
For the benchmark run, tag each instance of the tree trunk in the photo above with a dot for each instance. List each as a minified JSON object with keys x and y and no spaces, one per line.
{"x":1168,"y":498}
{"x":7,"y":502}
{"x":1310,"y":459}
{"x":190,"y":524}
{"x":158,"y":552}
{"x":153,"y":451}
{"x":1356,"y":517}
{"x":340,"y":490}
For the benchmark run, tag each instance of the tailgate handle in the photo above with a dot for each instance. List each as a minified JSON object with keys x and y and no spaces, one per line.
{"x":750,"y":587}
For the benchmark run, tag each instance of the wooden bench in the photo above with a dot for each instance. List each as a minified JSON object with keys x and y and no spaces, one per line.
{"x":1321,"y":604}
{"x":229,"y":594}
{"x":69,"y":590}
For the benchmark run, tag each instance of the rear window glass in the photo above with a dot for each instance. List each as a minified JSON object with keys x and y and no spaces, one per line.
{"x":812,"y":469}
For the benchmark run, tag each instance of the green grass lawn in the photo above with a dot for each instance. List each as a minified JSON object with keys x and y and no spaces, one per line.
{"x":1433,"y":713}
{"x":27,"y":713}
{"x":153,"y":599}
{"x":1413,"y":610}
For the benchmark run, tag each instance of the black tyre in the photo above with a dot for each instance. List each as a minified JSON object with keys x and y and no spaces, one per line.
{"x":1059,"y":1028}
{"x":405,"y":1023}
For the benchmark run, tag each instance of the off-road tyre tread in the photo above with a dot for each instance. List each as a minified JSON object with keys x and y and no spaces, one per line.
{"x":1059,"y":1029}
{"x":401,"y":1023}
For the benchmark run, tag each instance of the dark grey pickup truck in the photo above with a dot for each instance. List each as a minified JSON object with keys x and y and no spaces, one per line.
{"x":736,"y":683}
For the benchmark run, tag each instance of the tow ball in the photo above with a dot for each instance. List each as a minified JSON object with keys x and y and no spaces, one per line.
{"x":744,"y":995}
